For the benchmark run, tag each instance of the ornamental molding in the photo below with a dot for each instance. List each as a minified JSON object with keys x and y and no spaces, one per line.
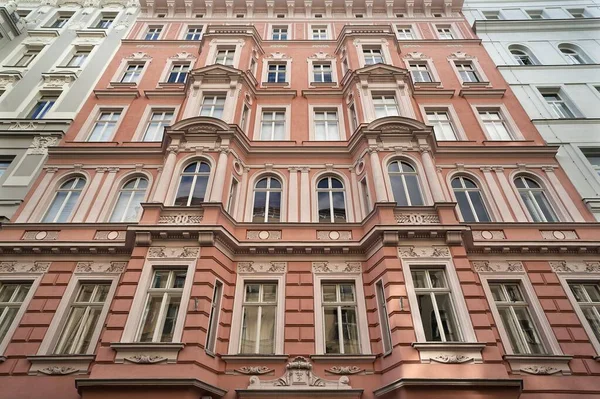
{"x":257,"y":370}
{"x":180,"y":218}
{"x":460,"y":55}
{"x":24,"y":267}
{"x":139,"y":56}
{"x":417,"y":218}
{"x":57,"y":80}
{"x":277,"y":56}
{"x":9,"y":78}
{"x":337,"y":267}
{"x":559,"y":234}
{"x":263,"y":235}
{"x":452,"y":359}
{"x":334,"y":235}
{"x":183,"y":56}
{"x":321,"y":55}
{"x":344,"y":370}
{"x":484,"y":266}
{"x":261,"y":267}
{"x":489,"y":235}
{"x":40,"y":144}
{"x":564,"y":266}
{"x":57,"y":370}
{"x":299,"y":377}
{"x":100,"y":267}
{"x":540,"y":370}
{"x":145,"y":359}
{"x":40,"y":235}
{"x":416,"y":55}
{"x":110,"y":235}
{"x":434,"y":251}
{"x":173,"y":252}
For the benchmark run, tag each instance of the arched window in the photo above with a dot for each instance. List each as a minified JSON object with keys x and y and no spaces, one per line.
{"x":128,"y":208}
{"x":267,"y":200}
{"x":193,"y":183}
{"x":573,"y":54}
{"x":331,"y":200}
{"x":64,"y":201}
{"x":522,"y":55}
{"x":405,"y":184}
{"x":535,"y":200}
{"x":470,"y":200}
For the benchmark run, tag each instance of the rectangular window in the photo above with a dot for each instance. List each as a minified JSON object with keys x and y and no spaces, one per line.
{"x":420,"y":72}
{"x":535,"y":14}
{"x":104,"y":126}
{"x":78,"y":58}
{"x":27,"y":57}
{"x":4,"y":165}
{"x":225,"y":56}
{"x":405,"y":33}
{"x":279,"y":33}
{"x":467,"y":72}
{"x":213,"y":321}
{"x":213,"y":105}
{"x":326,"y":125}
{"x":60,"y":21}
{"x":276,"y":72}
{"x":340,"y":320}
{"x":383,"y":317}
{"x":364,"y":188}
{"x":244,"y":120}
{"x":42,"y":107}
{"x":105,"y":22}
{"x":132,"y":73}
{"x":319,"y":33}
{"x":577,"y":13}
{"x":194,"y":33}
{"x":178,"y":73}
{"x":516,"y":319}
{"x":495,"y":125}
{"x":436,"y":308}
{"x":445,"y":33}
{"x":162,"y":305}
{"x":557,"y":105}
{"x":593,"y":158}
{"x":153,"y":33}
{"x":258,"y":318}
{"x":353,"y":117}
{"x":587,"y":295}
{"x":12,"y":296}
{"x":442,"y":125}
{"x":272,"y":125}
{"x":385,"y":105}
{"x":82,"y":319}
{"x":373,"y":55}
{"x":232,"y":195}
{"x":322,"y":73}
{"x":156,"y":125}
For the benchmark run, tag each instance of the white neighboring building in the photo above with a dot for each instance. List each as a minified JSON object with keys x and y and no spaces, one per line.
{"x":549,"y":52}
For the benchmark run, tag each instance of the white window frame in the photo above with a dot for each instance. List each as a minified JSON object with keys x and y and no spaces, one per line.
{"x":385,"y":51}
{"x":86,"y":129}
{"x":62,"y":312}
{"x":452,"y":114}
{"x":227,"y":49}
{"x":187,"y":27}
{"x":148,"y":121}
{"x":312,"y":108}
{"x":279,"y":26}
{"x":140,"y":131}
{"x":384,"y":94}
{"x":146,"y":29}
{"x":322,"y":59}
{"x":236,"y":322}
{"x":270,"y":108}
{"x":511,"y":125}
{"x":98,"y":120}
{"x":211,"y":105}
{"x":327,"y":28}
{"x":483,"y":79}
{"x":564,"y":98}
{"x":120,"y":74}
{"x":413,"y":30}
{"x":450,"y":27}
{"x":214,"y":45}
{"x":361,"y":313}
{"x":372,"y":55}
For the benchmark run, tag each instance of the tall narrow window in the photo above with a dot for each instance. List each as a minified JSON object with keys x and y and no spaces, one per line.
{"x":435,"y":305}
{"x":232,"y":196}
{"x":535,"y":200}
{"x":42,"y":107}
{"x":153,"y":33}
{"x":279,"y":33}
{"x":405,"y":184}
{"x":467,"y":72}
{"x":593,"y":158}
{"x":12,"y":296}
{"x":319,"y":33}
{"x":267,"y":200}
{"x":495,"y":125}
{"x":27,"y":57}
{"x":587,"y":295}
{"x":353,"y":117}
{"x":193,"y":183}
{"x":373,"y":55}
{"x":385,"y":105}
{"x":194,"y":33}
{"x":420,"y":72}
{"x":364,"y":188}
{"x":162,"y":306}
{"x":225,"y":56}
{"x":326,"y":125}
{"x":340,"y":319}
{"x":78,"y":58}
{"x":276,"y":72}
{"x":470,"y":201}
{"x":244,"y":120}
{"x":516,"y":319}
{"x":557,"y":105}
{"x":322,"y":73}
{"x":84,"y":314}
{"x":104,"y":126}
{"x":213,"y":105}
{"x":64,"y":201}
{"x":331,"y":199}
{"x":386,"y":334}
{"x":128,"y":207}
{"x":445,"y":33}
{"x":442,"y":125}
{"x":213,"y":321}
{"x":132,"y":73}
{"x":272,"y":126}
{"x":156,"y":125}
{"x":178,"y":73}
{"x":258,"y":318}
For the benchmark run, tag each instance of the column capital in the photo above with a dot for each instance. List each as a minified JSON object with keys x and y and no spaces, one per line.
{"x":173,"y":149}
{"x":293,"y":169}
{"x":548,"y":168}
{"x":498,"y":169}
{"x":101,"y":169}
{"x":51,"y":169}
{"x":486,"y":169}
{"x":113,"y":169}
{"x":304,"y":169}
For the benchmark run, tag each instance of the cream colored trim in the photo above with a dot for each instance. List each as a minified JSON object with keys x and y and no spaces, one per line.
{"x":135,"y":58}
{"x":109,"y":206}
{"x":461,"y":57}
{"x":216,"y":43}
{"x":178,"y":170}
{"x":511,"y":125}
{"x":426,"y":191}
{"x":184,"y":30}
{"x":350,"y":208}
{"x":145,"y":119}
{"x":144,"y":29}
{"x":250,"y":192}
{"x":453,"y":28}
{"x":490,"y":206}
{"x":316,"y":25}
{"x":312,"y":108}
{"x":416,"y":56}
{"x":557,"y":205}
{"x":183,"y":58}
{"x":276,"y":58}
{"x":322,"y":58}
{"x":289,"y":27}
{"x":49,"y":194}
{"x":260,"y":108}
{"x":383,"y":43}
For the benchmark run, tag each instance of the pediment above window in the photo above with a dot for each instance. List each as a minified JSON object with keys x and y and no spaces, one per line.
{"x":416,"y":55}
{"x":459,"y":55}
{"x":398,"y":124}
{"x":321,"y":56}
{"x":379,"y":73}
{"x":138,"y":56}
{"x":184,"y":56}
{"x":200,"y":124}
{"x":9,"y":78}
{"x":277,"y":56}
{"x":215,"y":74}
{"x":58,"y":80}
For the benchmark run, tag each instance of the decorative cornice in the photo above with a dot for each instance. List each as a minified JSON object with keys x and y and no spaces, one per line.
{"x":100,"y":267}
{"x":173,"y":252}
{"x":434,"y":251}
{"x":261,"y":267}
{"x":337,"y":267}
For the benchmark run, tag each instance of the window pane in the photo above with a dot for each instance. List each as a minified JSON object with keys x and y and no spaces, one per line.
{"x":591,"y":315}
{"x":269,"y":293}
{"x":447,"y":316}
{"x":430,"y":324}
{"x":274,"y":207}
{"x":150,"y":319}
{"x":332,"y":336}
{"x":480,"y":210}
{"x":267,"y":330}
{"x":161,"y":278}
{"x":170,"y":319}
{"x":339,"y":208}
{"x":252,"y":292}
{"x":5,"y":322}
{"x":324,"y":208}
{"x":511,"y":328}
{"x":414,"y":192}
{"x":347,"y":293}
{"x":249,"y":326}
{"x":350,"y":331}
{"x":329,"y":293}
{"x":398,"y":190}
{"x":465,"y":207}
{"x":199,"y":190}
{"x":419,"y":278}
{"x":260,"y":200}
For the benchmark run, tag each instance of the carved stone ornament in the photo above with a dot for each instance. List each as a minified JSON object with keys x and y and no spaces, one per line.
{"x":250,"y":370}
{"x":483,"y":266}
{"x":173,"y":252}
{"x":337,"y":267}
{"x":40,"y":235}
{"x":145,"y":359}
{"x":452,"y":359}
{"x":110,"y":235}
{"x":417,"y":218}
{"x":56,"y":370}
{"x":40,"y":144}
{"x":334,"y":235}
{"x":183,"y":56}
{"x":559,"y":234}
{"x":263,"y":235}
{"x":261,"y":267}
{"x":415,"y":55}
{"x":277,"y":56}
{"x":24,"y":267}
{"x":299,"y":377}
{"x":540,"y":370}
{"x":488,"y":235}
{"x":100,"y":267}
{"x":8,"y":79}
{"x":320,"y":56}
{"x":575,"y":266}
{"x":180,"y":218}
{"x":424,"y":252}
{"x":344,"y":370}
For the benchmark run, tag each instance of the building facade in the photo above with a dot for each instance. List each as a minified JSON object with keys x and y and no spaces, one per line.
{"x":51,"y":54}
{"x":286,"y":199}
{"x":549,"y":54}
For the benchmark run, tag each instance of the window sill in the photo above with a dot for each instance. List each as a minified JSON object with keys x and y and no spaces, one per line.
{"x":249,"y":358}
{"x":345,"y":358}
{"x":428,"y":84}
{"x":539,"y":364}
{"x":123,"y":84}
{"x":146,"y":352}
{"x":275,"y":84}
{"x":475,"y":84}
{"x":449,"y":352}
{"x":60,"y":364}
{"x":323,"y":84}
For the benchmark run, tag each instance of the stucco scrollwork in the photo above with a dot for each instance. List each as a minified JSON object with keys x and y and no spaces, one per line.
{"x":489,"y":235}
{"x":40,"y":235}
{"x":173,"y":252}
{"x":559,"y":234}
{"x":337,"y":267}
{"x":575,"y":266}
{"x":110,"y":235}
{"x":261,"y":267}
{"x":263,"y":235}
{"x":417,"y":218}
{"x":24,"y":267}
{"x":100,"y":267}
{"x":344,"y":370}
{"x":540,"y":370}
{"x":334,"y":235}
{"x":145,"y":359}
{"x":483,"y":266}
{"x":180,"y":218}
{"x":40,"y":144}
{"x":57,"y":370}
{"x":452,"y":359}
{"x":434,"y":251}
{"x":254,"y":370}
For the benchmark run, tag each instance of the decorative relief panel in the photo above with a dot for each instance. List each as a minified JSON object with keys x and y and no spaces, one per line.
{"x":173,"y":252}
{"x":344,"y":370}
{"x":417,"y":218}
{"x":540,"y":370}
{"x":263,"y":235}
{"x":575,"y":266}
{"x":146,"y":359}
{"x":483,"y":266}
{"x":488,"y":235}
{"x":100,"y":267}
{"x":434,"y":251}
{"x":559,"y":234}
{"x":24,"y":267}
{"x":334,"y":235}
{"x":40,"y":235}
{"x":180,"y":218}
{"x":109,"y":235}
{"x":254,"y":370}
{"x":337,"y":267}
{"x":452,"y":359}
{"x":57,"y":370}
{"x":261,"y":267}
{"x":40,"y":144}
